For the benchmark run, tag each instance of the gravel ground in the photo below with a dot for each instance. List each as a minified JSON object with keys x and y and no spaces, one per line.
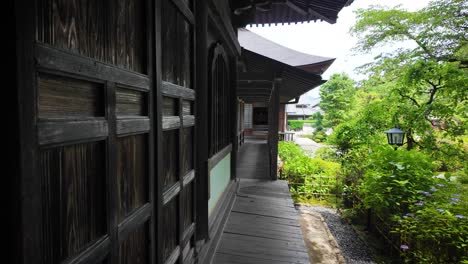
{"x":353,"y":249}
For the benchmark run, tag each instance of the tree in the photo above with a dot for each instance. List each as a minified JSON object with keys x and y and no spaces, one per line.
{"x":428,"y":83}
{"x":336,"y":95}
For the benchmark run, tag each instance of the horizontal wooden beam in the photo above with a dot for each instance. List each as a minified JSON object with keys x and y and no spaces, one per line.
{"x":188,"y":178}
{"x":171,"y":122}
{"x":138,"y":218}
{"x":185,"y":10}
{"x":171,"y":192}
{"x":177,"y":91}
{"x":132,"y":126}
{"x":93,"y":254}
{"x":56,"y":60}
{"x":216,"y":158}
{"x":59,"y":132}
{"x":188,"y":120}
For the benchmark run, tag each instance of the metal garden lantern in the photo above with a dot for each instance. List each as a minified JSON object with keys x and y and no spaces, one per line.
{"x":395,"y":136}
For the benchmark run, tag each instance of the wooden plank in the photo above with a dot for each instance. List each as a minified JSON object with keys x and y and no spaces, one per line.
{"x":132,"y":222}
{"x":61,"y":61}
{"x":132,"y":126}
{"x":174,"y":90}
{"x":201,"y":119}
{"x":185,"y":10}
{"x":59,"y":132}
{"x":93,"y":254}
{"x":189,"y":177}
{"x":257,"y":219}
{"x":158,"y":130}
{"x":274,"y":228}
{"x":111,"y":172}
{"x":30,"y":194}
{"x":170,"y":122}
{"x":174,"y":256}
{"x":171,"y":192}
{"x":188,"y":120}
{"x":219,"y":156}
{"x":231,"y":258}
{"x":244,"y":249}
{"x":188,"y":232}
{"x":254,"y":241}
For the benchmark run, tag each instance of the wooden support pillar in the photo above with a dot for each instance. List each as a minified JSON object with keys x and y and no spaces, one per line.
{"x":201,"y":117}
{"x":273,"y":112}
{"x":233,"y":116}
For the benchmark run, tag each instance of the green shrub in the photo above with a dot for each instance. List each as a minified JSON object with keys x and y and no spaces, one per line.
{"x":435,"y":229}
{"x":395,"y":179}
{"x":297,"y":124}
{"x":307,"y":177}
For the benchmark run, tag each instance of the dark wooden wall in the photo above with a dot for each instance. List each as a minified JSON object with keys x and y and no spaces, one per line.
{"x":86,"y":131}
{"x":109,"y":104}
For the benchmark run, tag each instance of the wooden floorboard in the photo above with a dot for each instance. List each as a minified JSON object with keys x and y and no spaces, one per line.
{"x":263,"y":226}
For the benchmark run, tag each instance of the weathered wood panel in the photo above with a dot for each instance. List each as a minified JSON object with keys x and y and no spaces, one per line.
{"x":170,"y":107}
{"x":131,"y":126}
{"x":130,"y":103}
{"x":108,"y":31}
{"x":170,"y":223}
{"x":73,"y":184}
{"x":59,"y":132}
{"x":174,"y":90}
{"x":56,"y":60}
{"x":132,"y":177}
{"x":187,"y":206}
{"x":135,"y":248}
{"x":187,"y":108}
{"x":66,"y":97}
{"x":177,"y":45}
{"x":170,"y":157}
{"x":187,"y":150}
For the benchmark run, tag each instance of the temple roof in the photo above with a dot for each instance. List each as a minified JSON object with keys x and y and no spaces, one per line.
{"x":260,"y":45}
{"x":288,"y":11}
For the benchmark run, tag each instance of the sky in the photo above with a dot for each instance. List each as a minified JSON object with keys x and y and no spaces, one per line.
{"x":331,"y":40}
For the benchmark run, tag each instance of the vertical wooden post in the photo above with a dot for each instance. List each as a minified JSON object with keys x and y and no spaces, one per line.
{"x":201,"y":118}
{"x":233,"y":116}
{"x":30,"y":240}
{"x":157,"y":128}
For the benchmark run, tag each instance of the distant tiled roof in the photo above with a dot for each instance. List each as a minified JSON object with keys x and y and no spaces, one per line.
{"x":260,"y":45}
{"x":292,"y":110}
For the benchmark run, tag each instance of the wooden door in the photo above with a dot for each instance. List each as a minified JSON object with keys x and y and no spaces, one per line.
{"x":178,"y":128}
{"x":86,"y":100}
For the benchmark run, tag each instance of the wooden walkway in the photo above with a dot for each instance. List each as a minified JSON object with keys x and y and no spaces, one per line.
{"x":263,"y":226}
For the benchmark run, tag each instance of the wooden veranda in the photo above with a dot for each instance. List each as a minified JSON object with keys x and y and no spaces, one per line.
{"x":263,"y":224}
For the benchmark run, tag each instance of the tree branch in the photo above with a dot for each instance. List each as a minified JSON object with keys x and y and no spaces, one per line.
{"x":433,"y":91}
{"x":410,"y":98}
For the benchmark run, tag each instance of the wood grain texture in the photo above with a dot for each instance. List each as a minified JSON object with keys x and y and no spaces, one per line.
{"x":170,"y":223}
{"x":170,"y":106}
{"x":175,"y":90}
{"x":73,"y":199}
{"x":187,"y":108}
{"x":131,"y":103}
{"x":132,"y":177}
{"x":108,"y":31}
{"x":187,"y":150}
{"x":135,"y":248}
{"x":59,"y":132}
{"x":133,"y":126}
{"x":60,"y":61}
{"x":66,"y":97}
{"x":170,"y":157}
{"x":187,"y":207}
{"x":177,"y":45}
